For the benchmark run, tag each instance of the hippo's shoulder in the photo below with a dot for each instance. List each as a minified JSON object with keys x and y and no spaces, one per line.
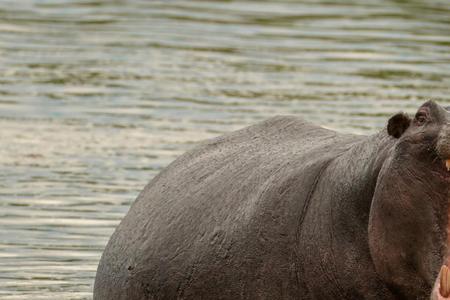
{"x":276,"y":130}
{"x":264,"y":145}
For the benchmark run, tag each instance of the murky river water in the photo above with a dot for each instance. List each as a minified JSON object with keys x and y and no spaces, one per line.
{"x":96,"y":97}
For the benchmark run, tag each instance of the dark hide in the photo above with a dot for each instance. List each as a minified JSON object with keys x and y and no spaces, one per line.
{"x":278,"y":210}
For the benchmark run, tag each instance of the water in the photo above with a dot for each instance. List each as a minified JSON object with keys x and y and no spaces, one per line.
{"x":96,"y":97}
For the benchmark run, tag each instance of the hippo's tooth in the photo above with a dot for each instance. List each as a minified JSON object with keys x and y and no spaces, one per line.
{"x":447,"y":164}
{"x":445,"y":281}
{"x":448,"y":285}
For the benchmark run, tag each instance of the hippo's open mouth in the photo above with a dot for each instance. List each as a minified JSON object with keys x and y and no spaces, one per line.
{"x":441,"y":289}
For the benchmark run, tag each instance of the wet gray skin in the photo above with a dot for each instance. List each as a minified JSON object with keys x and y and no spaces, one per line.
{"x":285,"y":209}
{"x":97,"y":97}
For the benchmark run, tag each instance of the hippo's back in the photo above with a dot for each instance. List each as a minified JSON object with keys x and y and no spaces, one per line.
{"x":221,"y":221}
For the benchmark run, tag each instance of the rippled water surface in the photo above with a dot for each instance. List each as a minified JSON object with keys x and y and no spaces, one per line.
{"x":96,"y":97}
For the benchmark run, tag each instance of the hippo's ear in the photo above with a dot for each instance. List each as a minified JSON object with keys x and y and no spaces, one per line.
{"x":398,"y":124}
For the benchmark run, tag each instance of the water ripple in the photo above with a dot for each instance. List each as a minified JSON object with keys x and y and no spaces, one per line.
{"x":96,"y":97}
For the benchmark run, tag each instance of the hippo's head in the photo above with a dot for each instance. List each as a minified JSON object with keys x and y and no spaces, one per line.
{"x":409,"y":228}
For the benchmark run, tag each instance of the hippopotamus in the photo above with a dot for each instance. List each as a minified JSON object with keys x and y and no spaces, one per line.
{"x":285,"y":209}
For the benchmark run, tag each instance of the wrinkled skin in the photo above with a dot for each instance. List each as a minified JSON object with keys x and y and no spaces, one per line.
{"x":288,"y":210}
